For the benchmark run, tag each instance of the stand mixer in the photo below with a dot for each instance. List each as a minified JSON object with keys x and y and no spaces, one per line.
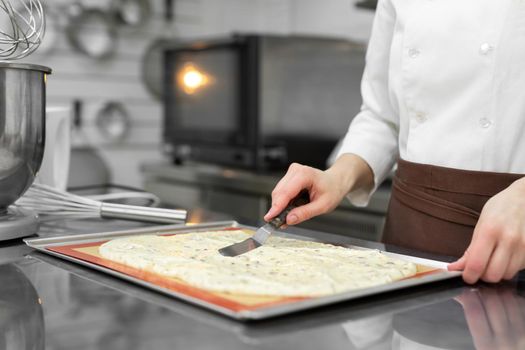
{"x":22,"y":112}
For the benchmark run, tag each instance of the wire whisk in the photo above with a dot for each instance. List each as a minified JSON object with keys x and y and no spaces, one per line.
{"x":53,"y":203}
{"x":22,"y":28}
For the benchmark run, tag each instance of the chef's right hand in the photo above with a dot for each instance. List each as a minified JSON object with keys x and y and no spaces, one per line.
{"x":326,"y":188}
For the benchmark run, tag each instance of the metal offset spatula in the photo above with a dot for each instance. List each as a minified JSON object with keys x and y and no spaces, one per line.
{"x":262,"y":234}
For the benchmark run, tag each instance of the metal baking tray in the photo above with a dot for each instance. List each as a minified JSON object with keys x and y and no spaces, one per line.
{"x":43,"y":245}
{"x":289,"y":326}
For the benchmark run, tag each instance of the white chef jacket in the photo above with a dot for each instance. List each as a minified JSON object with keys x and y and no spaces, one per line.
{"x":444,"y":84}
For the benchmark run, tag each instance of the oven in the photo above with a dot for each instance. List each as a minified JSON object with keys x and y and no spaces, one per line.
{"x":258,"y":101}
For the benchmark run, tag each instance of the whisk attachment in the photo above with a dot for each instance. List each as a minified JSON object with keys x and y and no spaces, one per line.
{"x":52,"y":203}
{"x":22,"y":28}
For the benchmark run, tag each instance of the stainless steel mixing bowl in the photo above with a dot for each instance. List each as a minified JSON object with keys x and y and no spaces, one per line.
{"x":22,"y":128}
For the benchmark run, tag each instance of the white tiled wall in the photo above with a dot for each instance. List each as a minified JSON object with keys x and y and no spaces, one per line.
{"x":96,"y":82}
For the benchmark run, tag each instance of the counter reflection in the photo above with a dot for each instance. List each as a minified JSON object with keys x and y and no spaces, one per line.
{"x":21,"y":315}
{"x":486,"y":317}
{"x":495,"y":316}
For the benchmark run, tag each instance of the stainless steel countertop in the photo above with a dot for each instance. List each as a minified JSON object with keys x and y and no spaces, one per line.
{"x":49,"y":303}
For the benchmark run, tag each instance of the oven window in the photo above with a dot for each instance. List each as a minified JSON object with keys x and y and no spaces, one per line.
{"x":206,"y":90}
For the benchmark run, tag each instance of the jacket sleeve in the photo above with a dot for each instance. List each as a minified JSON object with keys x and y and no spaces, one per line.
{"x":373,"y":133}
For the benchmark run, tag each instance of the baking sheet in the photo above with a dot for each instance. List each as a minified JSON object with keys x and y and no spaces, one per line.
{"x":83,"y":249}
{"x":270,"y":331}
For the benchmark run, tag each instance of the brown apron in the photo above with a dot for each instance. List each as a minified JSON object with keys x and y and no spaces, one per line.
{"x":435,"y":209}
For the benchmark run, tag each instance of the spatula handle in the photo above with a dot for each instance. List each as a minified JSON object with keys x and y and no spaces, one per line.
{"x":301,"y":199}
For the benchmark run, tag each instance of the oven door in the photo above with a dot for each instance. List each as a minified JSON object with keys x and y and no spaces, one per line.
{"x":206,"y":101}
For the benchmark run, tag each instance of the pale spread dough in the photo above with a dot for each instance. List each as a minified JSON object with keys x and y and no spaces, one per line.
{"x":282,"y":267}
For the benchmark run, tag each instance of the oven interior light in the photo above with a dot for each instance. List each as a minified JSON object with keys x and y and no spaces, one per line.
{"x":192,"y":79}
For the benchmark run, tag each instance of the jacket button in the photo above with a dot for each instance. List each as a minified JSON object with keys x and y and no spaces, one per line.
{"x":413,"y":53}
{"x":485,"y":48}
{"x":485,"y":123}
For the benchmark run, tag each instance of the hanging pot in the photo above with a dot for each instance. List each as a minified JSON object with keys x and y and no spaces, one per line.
{"x":92,"y":31}
{"x":132,"y":13}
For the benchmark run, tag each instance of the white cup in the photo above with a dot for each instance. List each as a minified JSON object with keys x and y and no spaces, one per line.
{"x":54,"y":170}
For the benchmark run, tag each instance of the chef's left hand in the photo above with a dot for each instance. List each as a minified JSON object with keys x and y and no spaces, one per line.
{"x":497,"y":249}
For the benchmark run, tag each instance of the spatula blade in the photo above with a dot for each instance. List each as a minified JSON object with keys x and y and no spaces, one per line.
{"x":240,"y":248}
{"x":257,"y":240}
